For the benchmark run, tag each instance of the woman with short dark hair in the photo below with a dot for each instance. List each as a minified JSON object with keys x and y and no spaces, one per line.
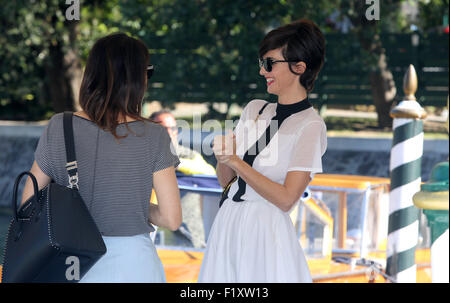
{"x":121,"y":156}
{"x":274,"y":152}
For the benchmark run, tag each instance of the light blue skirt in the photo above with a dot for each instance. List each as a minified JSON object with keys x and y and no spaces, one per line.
{"x":127,"y":260}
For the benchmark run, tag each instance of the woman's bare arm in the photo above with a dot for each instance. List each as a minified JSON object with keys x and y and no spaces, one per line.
{"x":167,"y":213}
{"x":284,"y":196}
{"x":224,"y":174}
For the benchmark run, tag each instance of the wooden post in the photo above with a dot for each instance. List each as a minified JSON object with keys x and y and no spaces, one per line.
{"x":342,"y":230}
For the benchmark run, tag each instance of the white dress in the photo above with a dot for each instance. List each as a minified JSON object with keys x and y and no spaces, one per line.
{"x":254,"y":240}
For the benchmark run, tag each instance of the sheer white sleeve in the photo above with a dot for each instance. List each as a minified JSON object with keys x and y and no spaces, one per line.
{"x":309,"y":147}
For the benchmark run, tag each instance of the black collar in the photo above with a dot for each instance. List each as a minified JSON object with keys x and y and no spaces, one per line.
{"x":289,"y":109}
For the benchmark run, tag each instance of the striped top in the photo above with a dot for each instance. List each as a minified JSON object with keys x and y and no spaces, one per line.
{"x":115,"y":176}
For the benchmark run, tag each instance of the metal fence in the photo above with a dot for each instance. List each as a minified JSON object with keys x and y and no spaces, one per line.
{"x":343,"y":80}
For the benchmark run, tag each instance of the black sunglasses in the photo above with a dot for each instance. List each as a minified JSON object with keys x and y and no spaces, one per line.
{"x":150,"y":69}
{"x":268,"y":63}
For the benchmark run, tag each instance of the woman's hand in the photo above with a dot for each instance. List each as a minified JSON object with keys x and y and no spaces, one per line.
{"x":224,"y":148}
{"x":284,"y":196}
{"x":224,"y":172}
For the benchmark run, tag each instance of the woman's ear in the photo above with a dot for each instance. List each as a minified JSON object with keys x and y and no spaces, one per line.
{"x":300,"y":67}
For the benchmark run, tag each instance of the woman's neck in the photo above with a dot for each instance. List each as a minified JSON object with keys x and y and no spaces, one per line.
{"x":294,"y":96}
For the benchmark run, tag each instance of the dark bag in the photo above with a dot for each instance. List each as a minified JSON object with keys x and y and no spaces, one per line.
{"x":52,"y":237}
{"x":226,"y":189}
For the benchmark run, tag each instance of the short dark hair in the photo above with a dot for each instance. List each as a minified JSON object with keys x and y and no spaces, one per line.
{"x":301,"y":40}
{"x":155,"y":115}
{"x":114,"y":81}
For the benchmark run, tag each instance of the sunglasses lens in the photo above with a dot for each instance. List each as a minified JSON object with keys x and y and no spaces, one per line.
{"x":267,"y":63}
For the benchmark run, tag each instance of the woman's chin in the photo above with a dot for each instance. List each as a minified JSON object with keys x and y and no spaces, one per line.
{"x":272,"y":91}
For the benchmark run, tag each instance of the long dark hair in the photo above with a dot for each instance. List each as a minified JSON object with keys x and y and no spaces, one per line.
{"x":114,"y":81}
{"x":301,"y":40}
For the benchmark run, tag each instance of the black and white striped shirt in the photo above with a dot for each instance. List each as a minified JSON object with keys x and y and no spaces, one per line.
{"x":115,"y":176}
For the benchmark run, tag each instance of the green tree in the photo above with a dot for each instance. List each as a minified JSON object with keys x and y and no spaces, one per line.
{"x":41,"y":54}
{"x":203,"y":49}
{"x":368,"y":33}
{"x":392,"y":20}
{"x":209,"y":48}
{"x":433,"y":14}
{"x":213,"y":45}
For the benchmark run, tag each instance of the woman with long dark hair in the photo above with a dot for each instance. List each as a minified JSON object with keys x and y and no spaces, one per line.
{"x":121,"y":156}
{"x":274,"y":152}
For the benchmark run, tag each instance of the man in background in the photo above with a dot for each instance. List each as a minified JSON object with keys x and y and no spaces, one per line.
{"x":192,"y":231}
{"x":192,"y":161}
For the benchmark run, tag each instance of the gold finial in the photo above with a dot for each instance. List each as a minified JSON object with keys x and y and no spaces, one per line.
{"x":409,"y":108}
{"x":410,"y":83}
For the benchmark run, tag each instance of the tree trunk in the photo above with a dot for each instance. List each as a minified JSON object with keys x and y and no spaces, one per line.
{"x":64,"y":73}
{"x":73,"y":62}
{"x":383,"y":92}
{"x":381,"y":79}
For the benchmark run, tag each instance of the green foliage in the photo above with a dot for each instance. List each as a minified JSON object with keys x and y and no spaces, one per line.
{"x":432,"y":14}
{"x":212,"y":45}
{"x":202,"y":49}
{"x":23,"y":49}
{"x":31,"y":29}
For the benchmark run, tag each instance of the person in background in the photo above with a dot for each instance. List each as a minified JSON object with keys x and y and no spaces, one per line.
{"x":121,"y":157}
{"x":191,"y":163}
